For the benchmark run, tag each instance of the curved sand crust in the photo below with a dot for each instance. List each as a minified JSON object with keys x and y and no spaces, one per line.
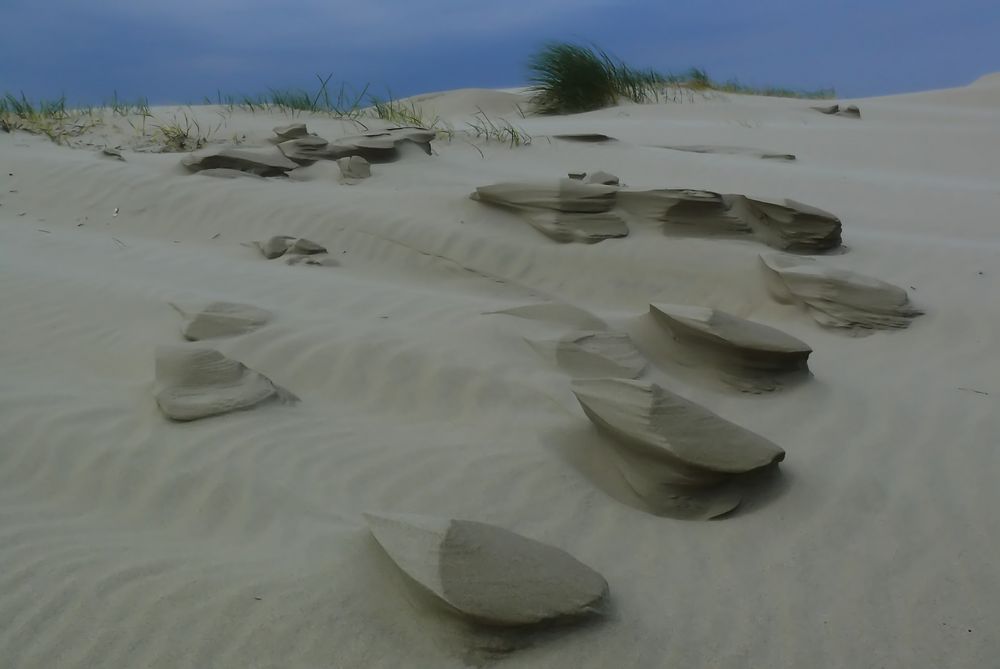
{"x":227,"y":173}
{"x":488,"y":574}
{"x":583,"y":228}
{"x":594,"y":354}
{"x":221,"y":319}
{"x":291,"y":131}
{"x":553,"y":312}
{"x":753,"y":352}
{"x":658,"y":424}
{"x":306,"y":149}
{"x":836,"y":297}
{"x":197,"y":382}
{"x":262,"y":162}
{"x":596,"y":177}
{"x":783,"y":224}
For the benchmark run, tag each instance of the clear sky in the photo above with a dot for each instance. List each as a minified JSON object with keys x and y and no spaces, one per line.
{"x":184,"y":50}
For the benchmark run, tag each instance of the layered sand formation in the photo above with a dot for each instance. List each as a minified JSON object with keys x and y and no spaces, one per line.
{"x":578,"y":209}
{"x":835,"y":297}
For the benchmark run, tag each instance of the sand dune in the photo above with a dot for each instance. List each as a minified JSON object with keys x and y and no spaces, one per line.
{"x":239,"y":540}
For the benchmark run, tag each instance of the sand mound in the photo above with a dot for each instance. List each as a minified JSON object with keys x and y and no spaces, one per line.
{"x":835,"y":297}
{"x":262,"y":162}
{"x":221,"y":319}
{"x":488,"y":574}
{"x":594,"y":354}
{"x":197,"y":382}
{"x":755,"y":355}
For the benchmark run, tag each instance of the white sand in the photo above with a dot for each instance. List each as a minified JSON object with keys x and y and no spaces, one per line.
{"x":238,"y":541}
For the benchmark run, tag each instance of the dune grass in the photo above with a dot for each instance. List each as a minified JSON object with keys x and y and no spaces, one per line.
{"x":570,"y":78}
{"x":45,"y":117}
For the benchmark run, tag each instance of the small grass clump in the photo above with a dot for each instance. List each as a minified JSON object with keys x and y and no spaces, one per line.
{"x":499,"y":130}
{"x":183,"y":134}
{"x":570,"y":78}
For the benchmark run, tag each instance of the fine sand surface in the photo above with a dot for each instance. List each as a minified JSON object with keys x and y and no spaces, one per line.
{"x":239,"y":541}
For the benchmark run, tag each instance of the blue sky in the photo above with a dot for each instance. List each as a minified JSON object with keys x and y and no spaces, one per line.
{"x":183,"y":50}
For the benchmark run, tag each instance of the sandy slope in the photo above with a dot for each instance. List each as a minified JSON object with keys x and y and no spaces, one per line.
{"x":238,"y":541}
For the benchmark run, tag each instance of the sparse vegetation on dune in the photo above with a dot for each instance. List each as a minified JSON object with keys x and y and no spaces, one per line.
{"x":571,"y":78}
{"x":183,"y":131}
{"x":45,"y":117}
{"x":565,"y":78}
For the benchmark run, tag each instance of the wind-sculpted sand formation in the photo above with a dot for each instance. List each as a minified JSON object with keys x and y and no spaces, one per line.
{"x":566,"y":211}
{"x":835,"y":297}
{"x":279,"y":245}
{"x":260,"y":162}
{"x":296,"y":147}
{"x":488,"y":574}
{"x":610,"y":401}
{"x":593,"y":354}
{"x":198,"y":382}
{"x":850,"y":111}
{"x":679,"y":457}
{"x":783,"y":224}
{"x":556,"y":313}
{"x":576,"y":209}
{"x":751,"y":355}
{"x":375,"y":146}
{"x":221,"y":319}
